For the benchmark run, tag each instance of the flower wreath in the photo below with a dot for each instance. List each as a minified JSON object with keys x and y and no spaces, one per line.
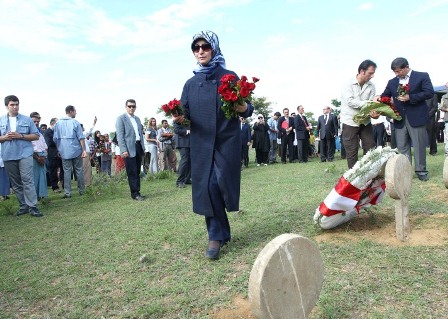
{"x":361,"y":186}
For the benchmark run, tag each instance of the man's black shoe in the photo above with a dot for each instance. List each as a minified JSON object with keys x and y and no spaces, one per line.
{"x":35,"y":212}
{"x":22,"y":212}
{"x":423,"y":178}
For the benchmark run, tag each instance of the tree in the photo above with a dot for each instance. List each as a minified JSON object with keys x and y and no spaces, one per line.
{"x":310,"y":118}
{"x":337,"y":104}
{"x":262,"y":106}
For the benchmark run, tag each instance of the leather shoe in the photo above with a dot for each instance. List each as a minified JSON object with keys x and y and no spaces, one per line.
{"x":213,"y":249}
{"x":423,"y":178}
{"x":66,"y":196}
{"x":22,"y":212}
{"x":139,"y":198}
{"x":213,"y":253}
{"x":35,"y":212}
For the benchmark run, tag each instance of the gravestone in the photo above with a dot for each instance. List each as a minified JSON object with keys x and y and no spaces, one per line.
{"x":398,"y":178}
{"x":286,"y":278}
{"x":445,"y":172}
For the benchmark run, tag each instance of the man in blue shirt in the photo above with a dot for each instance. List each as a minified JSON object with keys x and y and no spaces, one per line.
{"x":69,"y":140}
{"x":16,"y":133}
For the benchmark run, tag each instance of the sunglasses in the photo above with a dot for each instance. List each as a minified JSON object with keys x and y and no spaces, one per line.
{"x":133,"y":106}
{"x":205,"y":47}
{"x":260,"y":118}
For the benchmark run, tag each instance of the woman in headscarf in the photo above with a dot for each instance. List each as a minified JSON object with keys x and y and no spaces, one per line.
{"x":215,"y":143}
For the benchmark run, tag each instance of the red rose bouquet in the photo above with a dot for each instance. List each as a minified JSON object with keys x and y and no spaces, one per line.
{"x":235,"y":92}
{"x":174,"y":108}
{"x":403,"y":89}
{"x":384,"y":107}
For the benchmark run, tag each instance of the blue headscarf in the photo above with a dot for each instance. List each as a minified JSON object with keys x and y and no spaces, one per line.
{"x":217,"y":57}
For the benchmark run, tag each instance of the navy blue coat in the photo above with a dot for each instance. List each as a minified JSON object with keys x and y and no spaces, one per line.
{"x":416,"y":109}
{"x":214,"y":142}
{"x":246,"y":135}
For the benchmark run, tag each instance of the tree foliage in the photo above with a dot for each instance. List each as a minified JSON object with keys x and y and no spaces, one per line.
{"x":337,"y":104}
{"x":262,"y":106}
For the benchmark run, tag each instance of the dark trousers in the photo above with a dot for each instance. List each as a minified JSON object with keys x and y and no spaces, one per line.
{"x":244,"y":154}
{"x":303,"y":147}
{"x":343,"y":155}
{"x":351,"y":136}
{"x":218,"y":226}
{"x":327,"y":148}
{"x":54,"y":163}
{"x":262,"y":156}
{"x":379,"y":132}
{"x":432,"y":140}
{"x":288,"y":144}
{"x":133,"y":168}
{"x":184,"y":170}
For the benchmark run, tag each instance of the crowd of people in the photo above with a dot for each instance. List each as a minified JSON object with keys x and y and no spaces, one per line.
{"x":213,"y":149}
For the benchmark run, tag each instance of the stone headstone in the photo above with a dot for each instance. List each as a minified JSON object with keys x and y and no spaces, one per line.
{"x":286,"y":278}
{"x":398,"y":178}
{"x":445,"y":172}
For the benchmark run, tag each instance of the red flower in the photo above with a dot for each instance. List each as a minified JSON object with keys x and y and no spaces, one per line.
{"x":233,"y":93}
{"x":255,"y":80}
{"x":174,"y":107}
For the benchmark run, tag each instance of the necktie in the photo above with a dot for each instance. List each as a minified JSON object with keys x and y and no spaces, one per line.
{"x":325,"y":118}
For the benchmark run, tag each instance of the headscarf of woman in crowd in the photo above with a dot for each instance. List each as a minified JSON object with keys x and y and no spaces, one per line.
{"x":217,"y":57}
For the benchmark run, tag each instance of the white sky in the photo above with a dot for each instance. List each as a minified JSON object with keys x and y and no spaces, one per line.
{"x":96,"y":54}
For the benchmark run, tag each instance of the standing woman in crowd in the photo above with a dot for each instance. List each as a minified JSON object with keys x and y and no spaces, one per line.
{"x":152,"y":142}
{"x":97,"y":155}
{"x":261,"y":141}
{"x":215,"y":143}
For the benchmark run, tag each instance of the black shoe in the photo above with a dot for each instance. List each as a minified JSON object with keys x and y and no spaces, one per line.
{"x":22,"y":212}
{"x":213,"y":252}
{"x":35,"y":212}
{"x":283,"y":162}
{"x":423,"y":178}
{"x":139,"y":198}
{"x":67,"y":196}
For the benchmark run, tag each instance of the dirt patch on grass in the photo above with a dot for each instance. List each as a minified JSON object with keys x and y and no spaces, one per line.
{"x":240,"y":309}
{"x":428,"y":230}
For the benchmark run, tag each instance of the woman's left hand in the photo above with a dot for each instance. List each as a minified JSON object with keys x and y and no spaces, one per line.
{"x":241,"y":108}
{"x":178,"y":118}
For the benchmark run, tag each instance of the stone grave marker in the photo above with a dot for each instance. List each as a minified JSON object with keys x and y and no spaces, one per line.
{"x":286,"y":278}
{"x":398,"y":178}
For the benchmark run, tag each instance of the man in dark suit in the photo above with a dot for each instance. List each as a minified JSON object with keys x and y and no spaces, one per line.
{"x":303,"y":134}
{"x":327,"y":126}
{"x":285,"y":126}
{"x":130,"y":139}
{"x":433,"y":105}
{"x":411,"y":103}
{"x":182,"y":142}
{"x":245,"y":142}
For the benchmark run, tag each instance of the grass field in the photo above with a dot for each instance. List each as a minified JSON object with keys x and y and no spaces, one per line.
{"x":104,"y":255}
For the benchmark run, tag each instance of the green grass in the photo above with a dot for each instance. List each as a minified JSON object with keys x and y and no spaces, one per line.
{"x":82,"y":259}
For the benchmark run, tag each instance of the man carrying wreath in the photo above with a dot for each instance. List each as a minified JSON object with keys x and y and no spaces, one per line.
{"x":355,"y":94}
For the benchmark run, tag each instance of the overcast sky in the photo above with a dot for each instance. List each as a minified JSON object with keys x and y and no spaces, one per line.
{"x":96,"y":54}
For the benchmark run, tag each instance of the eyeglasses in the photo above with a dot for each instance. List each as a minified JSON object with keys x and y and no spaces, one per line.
{"x":36,"y":122}
{"x":205,"y":47}
{"x":132,"y":106}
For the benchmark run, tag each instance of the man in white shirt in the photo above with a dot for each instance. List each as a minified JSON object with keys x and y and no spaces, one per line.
{"x":355,"y":94}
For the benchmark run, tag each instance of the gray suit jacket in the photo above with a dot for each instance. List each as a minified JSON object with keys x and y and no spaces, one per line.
{"x":126,"y":134}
